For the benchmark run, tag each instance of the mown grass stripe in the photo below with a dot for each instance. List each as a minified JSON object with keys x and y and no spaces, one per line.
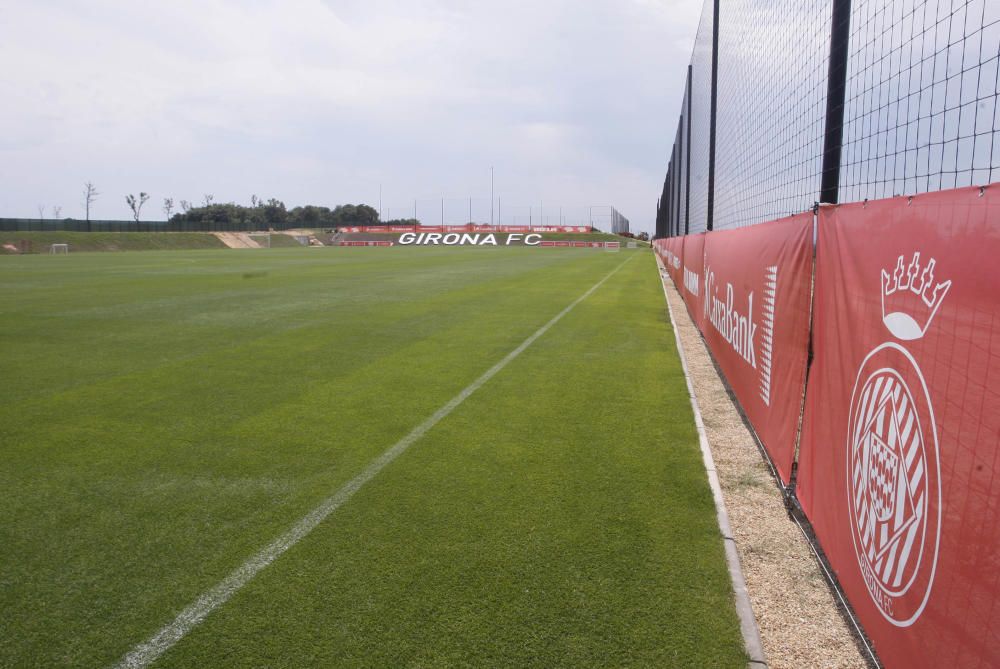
{"x":146,"y":653}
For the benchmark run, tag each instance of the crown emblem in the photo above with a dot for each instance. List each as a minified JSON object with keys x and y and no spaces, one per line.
{"x":910,"y":298}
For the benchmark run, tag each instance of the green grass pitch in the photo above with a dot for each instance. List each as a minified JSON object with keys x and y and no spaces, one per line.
{"x":164,"y":416}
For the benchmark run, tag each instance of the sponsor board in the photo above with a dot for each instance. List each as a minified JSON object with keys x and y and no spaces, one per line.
{"x":693,"y":256}
{"x":467,"y":239}
{"x":897,"y":468}
{"x":467,"y":228}
{"x":671,"y":250}
{"x":755,"y":319}
{"x":672,"y":258}
{"x":581,"y":245}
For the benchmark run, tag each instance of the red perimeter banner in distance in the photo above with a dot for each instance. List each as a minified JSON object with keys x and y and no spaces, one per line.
{"x":664,"y":249}
{"x":899,"y":467}
{"x":692,"y":257}
{"x":592,"y":245}
{"x":467,"y":228}
{"x":675,"y":260}
{"x":755,"y":318}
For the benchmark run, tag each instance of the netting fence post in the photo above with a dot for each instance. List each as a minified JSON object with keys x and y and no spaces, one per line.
{"x":687,"y":161}
{"x":836,"y":89}
{"x":713,"y":115}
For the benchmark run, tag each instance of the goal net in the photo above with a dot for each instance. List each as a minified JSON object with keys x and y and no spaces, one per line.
{"x":59,"y":248}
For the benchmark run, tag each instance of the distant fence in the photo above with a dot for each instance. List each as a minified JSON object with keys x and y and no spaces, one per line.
{"x":445,"y":242}
{"x":471,"y":227}
{"x":73,"y":225}
{"x":793,"y":102}
{"x":897,"y":464}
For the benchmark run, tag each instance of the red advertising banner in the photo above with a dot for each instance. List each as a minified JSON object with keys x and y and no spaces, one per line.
{"x":545,"y":228}
{"x":690,"y":274}
{"x":381,"y":243}
{"x":755,"y":319}
{"x":672,"y":259}
{"x":466,"y":228}
{"x":899,"y":466}
{"x":581,"y":245}
{"x":660,"y":249}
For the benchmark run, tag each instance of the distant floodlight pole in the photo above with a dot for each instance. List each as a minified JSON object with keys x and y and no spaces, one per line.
{"x":380,"y":202}
{"x":470,"y":209}
{"x":442,"y":211}
{"x":491,"y":196}
{"x":414,"y":210}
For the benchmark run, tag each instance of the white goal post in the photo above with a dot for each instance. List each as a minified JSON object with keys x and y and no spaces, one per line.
{"x":58,"y":248}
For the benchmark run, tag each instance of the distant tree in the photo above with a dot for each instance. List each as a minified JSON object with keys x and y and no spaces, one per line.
{"x":272,"y":213}
{"x":41,"y":212}
{"x":209,"y":199}
{"x":644,"y":236}
{"x":311,"y":216}
{"x":90,"y":195}
{"x":56,"y":211}
{"x":168,"y":206}
{"x":350,"y":214}
{"x":136,"y":204}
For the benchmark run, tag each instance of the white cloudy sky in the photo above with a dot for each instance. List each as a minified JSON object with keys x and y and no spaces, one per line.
{"x":311,"y":101}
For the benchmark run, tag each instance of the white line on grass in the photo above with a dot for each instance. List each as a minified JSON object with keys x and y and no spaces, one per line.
{"x":744,"y":610}
{"x":146,"y":653}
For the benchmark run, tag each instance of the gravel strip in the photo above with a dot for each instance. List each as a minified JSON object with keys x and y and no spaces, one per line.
{"x":800,"y":624}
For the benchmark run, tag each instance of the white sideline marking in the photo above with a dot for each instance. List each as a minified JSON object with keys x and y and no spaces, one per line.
{"x":146,"y":653}
{"x":744,"y":611}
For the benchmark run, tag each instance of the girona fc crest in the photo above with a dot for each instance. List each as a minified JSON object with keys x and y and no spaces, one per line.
{"x":893,"y":480}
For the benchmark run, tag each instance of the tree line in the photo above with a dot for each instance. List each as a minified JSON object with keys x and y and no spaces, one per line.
{"x":261,"y":213}
{"x":271,"y":213}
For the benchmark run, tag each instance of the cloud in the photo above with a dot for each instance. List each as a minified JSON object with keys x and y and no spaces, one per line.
{"x":314,"y":101}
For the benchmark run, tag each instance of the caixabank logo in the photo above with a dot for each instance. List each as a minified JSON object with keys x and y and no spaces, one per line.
{"x":747,"y":326}
{"x":893,"y":473}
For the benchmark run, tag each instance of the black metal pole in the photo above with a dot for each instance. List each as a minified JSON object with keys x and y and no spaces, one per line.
{"x":840,"y":35}
{"x":687,"y":167}
{"x":709,"y":223}
{"x":669,"y":186}
{"x":680,"y":168}
{"x":673,"y":191}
